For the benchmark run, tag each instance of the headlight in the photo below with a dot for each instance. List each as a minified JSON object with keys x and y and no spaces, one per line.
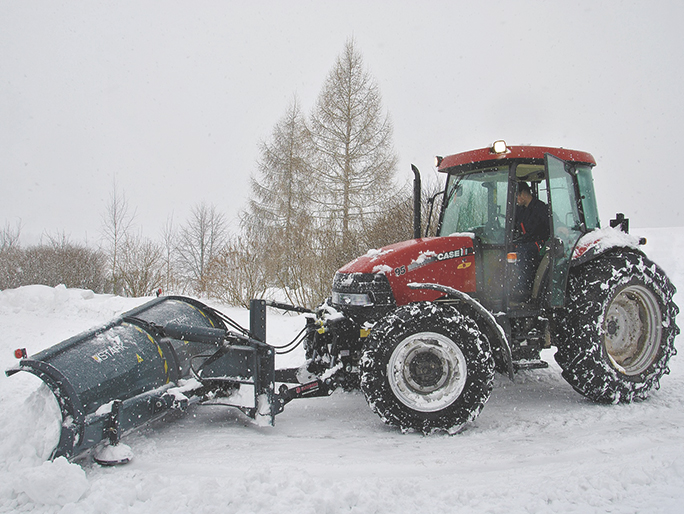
{"x":355,"y":299}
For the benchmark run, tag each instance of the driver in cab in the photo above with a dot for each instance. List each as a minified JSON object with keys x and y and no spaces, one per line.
{"x":532,"y":231}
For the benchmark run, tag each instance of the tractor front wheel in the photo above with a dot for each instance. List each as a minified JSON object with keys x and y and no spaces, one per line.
{"x":617,"y":332}
{"x":427,"y":367}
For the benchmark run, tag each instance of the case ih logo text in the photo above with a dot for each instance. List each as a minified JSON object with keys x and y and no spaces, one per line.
{"x":426,"y":259}
{"x":454,"y":254}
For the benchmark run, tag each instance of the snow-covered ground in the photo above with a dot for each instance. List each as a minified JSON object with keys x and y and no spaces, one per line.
{"x":537,"y":447}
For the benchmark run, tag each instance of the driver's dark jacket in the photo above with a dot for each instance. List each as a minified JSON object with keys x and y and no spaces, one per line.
{"x":532,"y":223}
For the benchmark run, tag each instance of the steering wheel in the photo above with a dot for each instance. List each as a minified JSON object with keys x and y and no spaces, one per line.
{"x":492,"y":231}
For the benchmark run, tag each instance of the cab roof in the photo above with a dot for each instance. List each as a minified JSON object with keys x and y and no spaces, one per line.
{"x":525,"y":153}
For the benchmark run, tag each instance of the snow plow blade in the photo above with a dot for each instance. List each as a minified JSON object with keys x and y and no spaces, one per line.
{"x":114,"y":378}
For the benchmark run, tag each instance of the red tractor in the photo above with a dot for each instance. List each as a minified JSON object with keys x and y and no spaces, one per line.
{"x":423,"y":324}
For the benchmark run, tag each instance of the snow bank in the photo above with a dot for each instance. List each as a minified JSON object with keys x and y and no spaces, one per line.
{"x":53,"y":483}
{"x":537,"y":446}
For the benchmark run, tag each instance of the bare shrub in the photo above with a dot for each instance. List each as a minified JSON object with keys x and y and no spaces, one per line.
{"x":141,"y":266}
{"x":236,"y":274}
{"x":52,"y":264}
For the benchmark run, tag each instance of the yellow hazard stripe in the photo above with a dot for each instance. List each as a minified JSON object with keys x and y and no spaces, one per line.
{"x":159,"y":350}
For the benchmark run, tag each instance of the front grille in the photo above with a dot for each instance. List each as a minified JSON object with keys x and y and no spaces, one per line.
{"x":375,"y":285}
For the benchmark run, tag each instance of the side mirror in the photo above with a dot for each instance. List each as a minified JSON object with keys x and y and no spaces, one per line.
{"x":621,"y":222}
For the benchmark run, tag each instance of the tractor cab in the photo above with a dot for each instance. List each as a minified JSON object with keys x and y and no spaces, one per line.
{"x":480,"y":196}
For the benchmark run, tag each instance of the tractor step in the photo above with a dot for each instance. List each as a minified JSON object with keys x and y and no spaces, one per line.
{"x":529,"y":364}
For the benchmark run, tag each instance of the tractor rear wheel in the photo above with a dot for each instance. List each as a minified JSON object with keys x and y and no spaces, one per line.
{"x":617,"y":333}
{"x":427,"y":367}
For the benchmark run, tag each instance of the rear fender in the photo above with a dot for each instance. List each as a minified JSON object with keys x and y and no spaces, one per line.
{"x":597,"y":242}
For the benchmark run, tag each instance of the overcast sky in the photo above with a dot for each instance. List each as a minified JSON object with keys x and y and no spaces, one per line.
{"x":170,"y":99}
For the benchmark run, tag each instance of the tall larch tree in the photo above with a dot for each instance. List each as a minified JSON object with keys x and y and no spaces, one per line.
{"x":278,"y":221}
{"x":356,"y":162}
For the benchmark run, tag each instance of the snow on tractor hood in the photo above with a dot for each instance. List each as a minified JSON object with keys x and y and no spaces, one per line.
{"x":449,"y":261}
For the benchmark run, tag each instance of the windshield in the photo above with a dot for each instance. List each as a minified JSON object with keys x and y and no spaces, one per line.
{"x":476,"y":203}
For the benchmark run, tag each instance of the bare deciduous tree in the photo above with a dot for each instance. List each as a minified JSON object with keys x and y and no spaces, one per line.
{"x":395,"y":224}
{"x":169,"y":238}
{"x":116,"y":222}
{"x":199,"y":242}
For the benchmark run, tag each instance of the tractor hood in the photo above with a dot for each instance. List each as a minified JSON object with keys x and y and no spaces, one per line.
{"x":449,"y":261}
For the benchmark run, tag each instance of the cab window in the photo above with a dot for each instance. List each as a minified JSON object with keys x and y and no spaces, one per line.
{"x":586,"y":186}
{"x":476,"y":203}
